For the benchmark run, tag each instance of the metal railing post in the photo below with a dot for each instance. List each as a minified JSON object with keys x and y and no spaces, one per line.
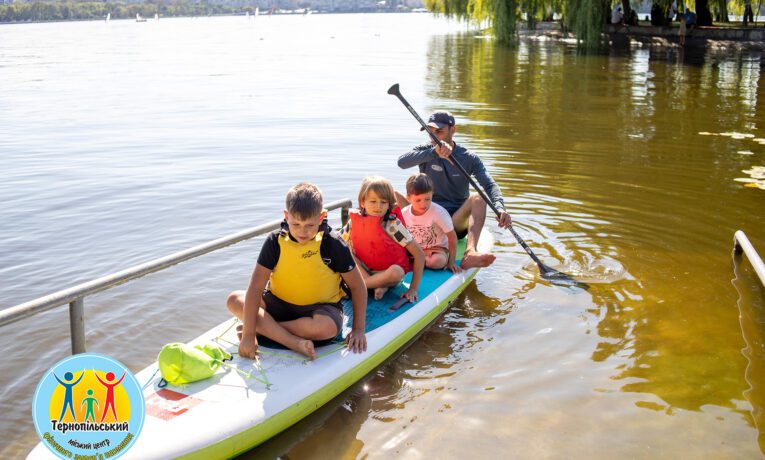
{"x":77,"y":325}
{"x":344,"y":215}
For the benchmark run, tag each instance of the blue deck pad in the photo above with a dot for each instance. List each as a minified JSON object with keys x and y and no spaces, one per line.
{"x":378,"y":310}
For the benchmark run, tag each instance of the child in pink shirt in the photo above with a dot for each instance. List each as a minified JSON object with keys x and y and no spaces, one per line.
{"x":430,"y":224}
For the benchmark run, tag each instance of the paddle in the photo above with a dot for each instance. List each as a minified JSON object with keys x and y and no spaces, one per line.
{"x":546,"y":272}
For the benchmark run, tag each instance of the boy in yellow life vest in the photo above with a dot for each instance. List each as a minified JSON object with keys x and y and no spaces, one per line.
{"x":296,"y":287}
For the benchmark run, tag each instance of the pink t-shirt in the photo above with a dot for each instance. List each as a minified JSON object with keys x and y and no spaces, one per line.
{"x":429,"y":229}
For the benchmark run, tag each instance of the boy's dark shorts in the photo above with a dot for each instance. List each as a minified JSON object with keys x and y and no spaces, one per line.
{"x":451,"y":210}
{"x":284,"y":311}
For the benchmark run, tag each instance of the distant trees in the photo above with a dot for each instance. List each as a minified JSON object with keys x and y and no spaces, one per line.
{"x":70,"y":10}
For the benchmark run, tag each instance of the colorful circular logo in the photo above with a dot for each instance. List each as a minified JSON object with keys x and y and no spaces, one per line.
{"x":90,"y":406}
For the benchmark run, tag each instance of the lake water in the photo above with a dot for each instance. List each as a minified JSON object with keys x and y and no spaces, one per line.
{"x":121,"y":142}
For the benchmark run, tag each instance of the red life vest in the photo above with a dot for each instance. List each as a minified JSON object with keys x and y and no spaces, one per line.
{"x":373,"y":246}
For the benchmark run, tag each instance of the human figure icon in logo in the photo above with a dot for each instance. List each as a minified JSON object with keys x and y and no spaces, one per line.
{"x":109,"y":385}
{"x":68,"y":384}
{"x":90,"y":400}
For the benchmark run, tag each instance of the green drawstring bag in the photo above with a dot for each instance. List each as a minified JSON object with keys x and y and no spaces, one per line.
{"x":180,"y":363}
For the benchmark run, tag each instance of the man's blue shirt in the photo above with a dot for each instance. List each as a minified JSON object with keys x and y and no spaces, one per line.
{"x":451,"y":189}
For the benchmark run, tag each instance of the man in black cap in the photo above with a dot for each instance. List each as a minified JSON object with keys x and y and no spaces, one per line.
{"x":452,"y":190}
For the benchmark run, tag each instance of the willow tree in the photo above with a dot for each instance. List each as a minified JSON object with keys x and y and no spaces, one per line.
{"x":501,"y":15}
{"x":583,"y":17}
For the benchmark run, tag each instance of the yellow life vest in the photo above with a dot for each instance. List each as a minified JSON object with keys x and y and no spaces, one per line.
{"x":301,"y":277}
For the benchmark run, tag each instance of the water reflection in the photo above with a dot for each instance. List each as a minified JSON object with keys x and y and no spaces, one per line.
{"x":601,"y":159}
{"x":385,"y":397}
{"x":751,"y":305}
{"x":336,"y":423}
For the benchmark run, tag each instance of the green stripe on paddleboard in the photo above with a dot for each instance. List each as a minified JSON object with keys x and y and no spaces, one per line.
{"x":252,"y":437}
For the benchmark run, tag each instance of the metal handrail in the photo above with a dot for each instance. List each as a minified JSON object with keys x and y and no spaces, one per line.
{"x":741,"y":243}
{"x":74,"y":295}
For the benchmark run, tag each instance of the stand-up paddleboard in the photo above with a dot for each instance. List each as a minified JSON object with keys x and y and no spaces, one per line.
{"x":235,"y":410}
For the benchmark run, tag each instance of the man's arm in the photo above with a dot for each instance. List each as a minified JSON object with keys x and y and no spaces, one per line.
{"x":416,"y":156}
{"x":492,"y":190}
{"x":487,"y":183}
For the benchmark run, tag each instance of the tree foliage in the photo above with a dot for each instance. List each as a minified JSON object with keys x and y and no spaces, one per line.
{"x":585,"y":18}
{"x":69,"y":10}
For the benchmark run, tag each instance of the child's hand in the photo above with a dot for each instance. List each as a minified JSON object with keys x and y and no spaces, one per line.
{"x":410,"y":294}
{"x":248,"y":347}
{"x":454,"y":267}
{"x":356,"y":341}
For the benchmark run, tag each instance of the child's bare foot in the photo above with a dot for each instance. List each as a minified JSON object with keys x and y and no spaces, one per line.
{"x":380,"y":292}
{"x":477,"y":259}
{"x":239,"y":330}
{"x":305,"y":347}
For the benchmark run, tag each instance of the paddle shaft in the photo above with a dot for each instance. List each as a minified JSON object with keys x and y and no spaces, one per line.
{"x":394,"y":90}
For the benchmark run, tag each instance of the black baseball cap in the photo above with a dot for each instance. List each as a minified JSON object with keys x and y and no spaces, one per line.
{"x":440,"y":119}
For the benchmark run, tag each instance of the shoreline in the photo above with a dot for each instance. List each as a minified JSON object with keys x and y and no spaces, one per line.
{"x":747,"y":38}
{"x":150,"y":18}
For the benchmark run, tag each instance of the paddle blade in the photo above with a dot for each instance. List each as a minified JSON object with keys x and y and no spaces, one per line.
{"x":393,"y":90}
{"x":558,"y":277}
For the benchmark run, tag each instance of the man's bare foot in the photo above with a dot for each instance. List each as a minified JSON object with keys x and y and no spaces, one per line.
{"x":477,"y":259}
{"x":380,"y":292}
{"x":239,"y":330}
{"x":305,"y":347}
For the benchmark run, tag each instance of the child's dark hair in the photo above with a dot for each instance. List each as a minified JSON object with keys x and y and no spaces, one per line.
{"x":419,"y":183}
{"x":304,"y":201}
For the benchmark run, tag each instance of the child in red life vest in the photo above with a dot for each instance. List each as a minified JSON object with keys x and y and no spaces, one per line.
{"x":380,"y":242}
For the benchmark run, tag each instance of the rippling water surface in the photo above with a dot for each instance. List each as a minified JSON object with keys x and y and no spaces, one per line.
{"x":124,"y":141}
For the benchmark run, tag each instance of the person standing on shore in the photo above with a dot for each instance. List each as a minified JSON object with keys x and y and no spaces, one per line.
{"x":672,"y":12}
{"x":617,"y":17}
{"x":452,"y":190}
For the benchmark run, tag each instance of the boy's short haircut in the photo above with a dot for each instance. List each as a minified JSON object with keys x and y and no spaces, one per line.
{"x":419,"y":183}
{"x":381,"y":186}
{"x":304,"y":201}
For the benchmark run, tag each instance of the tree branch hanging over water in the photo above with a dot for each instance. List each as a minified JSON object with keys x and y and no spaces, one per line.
{"x":585,"y":18}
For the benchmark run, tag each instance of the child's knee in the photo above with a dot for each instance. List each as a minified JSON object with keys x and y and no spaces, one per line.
{"x":436,"y":261}
{"x":235,"y":302}
{"x":395,"y":274}
{"x":324,"y":327}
